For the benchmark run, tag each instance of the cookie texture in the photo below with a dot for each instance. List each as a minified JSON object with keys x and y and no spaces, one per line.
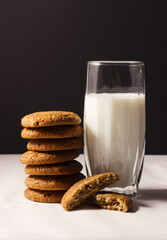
{"x":43,"y":196}
{"x":52,"y":182}
{"x":52,"y":132}
{"x":54,"y":144}
{"x":38,"y":158}
{"x":85,"y":188}
{"x":67,"y":168}
{"x":111,"y":201}
{"x":50,"y":118}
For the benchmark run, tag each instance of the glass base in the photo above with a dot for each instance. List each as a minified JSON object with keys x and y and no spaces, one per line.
{"x":130,"y":191}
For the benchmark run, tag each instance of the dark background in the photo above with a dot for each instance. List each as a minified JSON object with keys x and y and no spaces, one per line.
{"x":44,"y":47}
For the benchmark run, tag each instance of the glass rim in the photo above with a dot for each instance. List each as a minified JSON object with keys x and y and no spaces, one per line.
{"x":118,"y":63}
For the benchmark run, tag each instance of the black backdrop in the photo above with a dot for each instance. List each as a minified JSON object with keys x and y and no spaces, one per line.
{"x":44,"y":47}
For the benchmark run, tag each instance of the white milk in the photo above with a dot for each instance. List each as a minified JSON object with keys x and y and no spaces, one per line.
{"x":115,"y":134}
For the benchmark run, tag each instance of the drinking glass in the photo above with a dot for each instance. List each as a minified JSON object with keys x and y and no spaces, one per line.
{"x":114,"y":122}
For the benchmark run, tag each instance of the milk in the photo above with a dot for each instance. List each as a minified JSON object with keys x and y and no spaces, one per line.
{"x":114,"y":125}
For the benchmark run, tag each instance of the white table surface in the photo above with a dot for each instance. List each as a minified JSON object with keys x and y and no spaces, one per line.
{"x":22,"y":219}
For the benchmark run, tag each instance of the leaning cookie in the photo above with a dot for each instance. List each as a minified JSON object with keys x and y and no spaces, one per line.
{"x":54,"y":144}
{"x":67,"y":168}
{"x":43,"y":196}
{"x":85,"y":188}
{"x":50,"y":118}
{"x":111,"y":201}
{"x":38,"y":158}
{"x":52,"y":132}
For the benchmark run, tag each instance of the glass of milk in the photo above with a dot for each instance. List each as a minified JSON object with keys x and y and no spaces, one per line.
{"x":114,"y":122}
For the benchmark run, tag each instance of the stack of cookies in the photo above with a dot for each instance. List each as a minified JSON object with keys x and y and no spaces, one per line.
{"x":54,"y":144}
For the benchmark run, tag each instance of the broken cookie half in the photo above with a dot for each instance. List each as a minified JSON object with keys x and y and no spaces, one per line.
{"x":111,"y":201}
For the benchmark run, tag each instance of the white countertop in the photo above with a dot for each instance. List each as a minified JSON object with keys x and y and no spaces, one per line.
{"x":22,"y":219}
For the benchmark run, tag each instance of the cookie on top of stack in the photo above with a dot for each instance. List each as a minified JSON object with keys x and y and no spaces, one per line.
{"x":51,"y":165}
